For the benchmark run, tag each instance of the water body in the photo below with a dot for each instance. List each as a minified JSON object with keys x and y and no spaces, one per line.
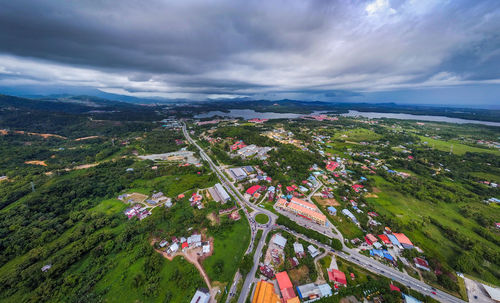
{"x":372,"y":115}
{"x":251,"y":114}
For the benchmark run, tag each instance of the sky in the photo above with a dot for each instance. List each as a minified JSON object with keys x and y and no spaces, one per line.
{"x":405,"y":51}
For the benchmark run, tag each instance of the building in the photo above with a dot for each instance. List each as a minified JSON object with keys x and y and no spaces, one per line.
{"x":201,"y":296}
{"x":421,"y":264}
{"x":337,"y":277}
{"x":222,"y":193}
{"x":253,"y":190}
{"x":332,"y":210}
{"x":348,"y":213}
{"x":493,"y":292}
{"x":264,"y":293}
{"x":325,"y":290}
{"x":370,"y":239}
{"x":237,"y":173}
{"x":403,"y":240}
{"x":279,"y":240}
{"x":285,"y":285}
{"x":385,"y":239}
{"x":298,"y":249}
{"x":394,"y":241}
{"x":313,"y":251}
{"x":303,"y":209}
{"x":308,"y":292}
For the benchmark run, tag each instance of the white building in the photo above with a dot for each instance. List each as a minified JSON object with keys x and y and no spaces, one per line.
{"x":201,"y":296}
{"x":279,"y":240}
{"x":313,"y":251}
{"x":222,"y":193}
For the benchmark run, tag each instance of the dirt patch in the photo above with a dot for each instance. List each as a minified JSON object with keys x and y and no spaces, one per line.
{"x":87,"y":138}
{"x":137,"y":198}
{"x":327,"y":202}
{"x":3,"y":132}
{"x":298,"y":275}
{"x":214,"y":219}
{"x":45,"y":136}
{"x":84,"y":166}
{"x":36,"y":162}
{"x":376,"y":190}
{"x":371,"y":195}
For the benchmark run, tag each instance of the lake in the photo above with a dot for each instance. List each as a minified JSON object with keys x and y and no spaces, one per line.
{"x":251,"y":114}
{"x":372,"y":115}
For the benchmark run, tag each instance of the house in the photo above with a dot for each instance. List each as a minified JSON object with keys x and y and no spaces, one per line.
{"x":253,"y":190}
{"x":348,"y":213}
{"x":202,"y":295}
{"x":267,"y":271}
{"x":163,"y":243}
{"x":194,"y":240}
{"x":394,"y":241}
{"x":45,"y":268}
{"x":298,"y":249}
{"x":285,"y":285}
{"x":394,"y":288}
{"x":370,"y":239}
{"x":385,"y":239}
{"x":331,"y":166}
{"x":421,"y":264}
{"x":235,"y":215}
{"x":403,"y":240}
{"x":377,"y":245}
{"x":173,"y":248}
{"x":279,"y":240}
{"x":264,"y":293}
{"x":337,"y":277}
{"x":313,"y":251}
{"x":205,"y":248}
{"x":332,"y":210}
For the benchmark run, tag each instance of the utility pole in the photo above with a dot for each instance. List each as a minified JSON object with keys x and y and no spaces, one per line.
{"x":32,"y":186}
{"x":451,"y":149}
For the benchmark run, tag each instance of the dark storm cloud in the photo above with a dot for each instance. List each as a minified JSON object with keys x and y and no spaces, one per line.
{"x":327,"y":49}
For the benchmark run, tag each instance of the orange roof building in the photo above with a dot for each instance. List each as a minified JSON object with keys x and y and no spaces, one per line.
{"x":302,"y":208}
{"x":264,"y":293}
{"x":403,"y":239}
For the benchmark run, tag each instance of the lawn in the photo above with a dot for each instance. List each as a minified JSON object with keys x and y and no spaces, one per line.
{"x":173,"y":185}
{"x":458,"y":148}
{"x":261,"y":218}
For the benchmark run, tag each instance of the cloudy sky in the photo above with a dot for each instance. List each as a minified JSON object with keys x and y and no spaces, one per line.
{"x":407,"y":51}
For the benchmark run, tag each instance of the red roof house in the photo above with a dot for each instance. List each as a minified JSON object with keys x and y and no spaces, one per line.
{"x":384,"y":239}
{"x":331,"y":166}
{"x":253,"y":189}
{"x":337,"y":277}
{"x":370,"y":239}
{"x":403,"y":239}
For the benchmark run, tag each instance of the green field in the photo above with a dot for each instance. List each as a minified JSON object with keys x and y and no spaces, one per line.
{"x":357,"y":135}
{"x":229,"y":247}
{"x":458,"y":148}
{"x":261,"y":218}
{"x":414,"y":215}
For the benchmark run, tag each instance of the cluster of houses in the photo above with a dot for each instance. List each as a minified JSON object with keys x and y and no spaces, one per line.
{"x":196,"y":200}
{"x":138,"y":211}
{"x":182,"y":244}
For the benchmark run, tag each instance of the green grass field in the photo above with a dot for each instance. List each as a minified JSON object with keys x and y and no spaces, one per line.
{"x":262,"y":218}
{"x":458,"y":148}
{"x":414,"y":214}
{"x":229,"y":247}
{"x":357,"y":135}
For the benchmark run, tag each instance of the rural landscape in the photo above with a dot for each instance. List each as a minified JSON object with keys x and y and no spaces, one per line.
{"x":298,"y":151}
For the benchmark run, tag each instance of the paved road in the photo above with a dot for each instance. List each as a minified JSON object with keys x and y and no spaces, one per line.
{"x":231,"y":189}
{"x":351,"y":255}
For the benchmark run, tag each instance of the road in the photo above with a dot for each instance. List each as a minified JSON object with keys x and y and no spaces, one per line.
{"x":243,"y":203}
{"x":350,"y":254}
